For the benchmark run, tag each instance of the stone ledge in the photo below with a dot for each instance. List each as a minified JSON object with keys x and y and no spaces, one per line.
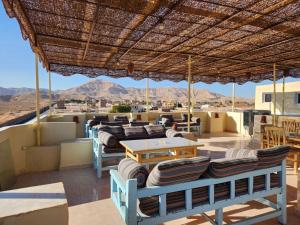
{"x":38,"y":205}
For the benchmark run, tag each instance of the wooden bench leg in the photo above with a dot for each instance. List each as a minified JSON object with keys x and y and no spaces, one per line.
{"x":99,"y":162}
{"x":296,"y":162}
{"x":219,"y":216}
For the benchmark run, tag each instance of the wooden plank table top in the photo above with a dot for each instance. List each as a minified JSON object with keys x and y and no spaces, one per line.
{"x":178,"y":146}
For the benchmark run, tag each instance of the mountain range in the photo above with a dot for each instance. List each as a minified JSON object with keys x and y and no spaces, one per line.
{"x":105,"y":89}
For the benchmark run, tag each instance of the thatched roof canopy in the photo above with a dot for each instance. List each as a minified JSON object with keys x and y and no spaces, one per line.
{"x":229,"y":40}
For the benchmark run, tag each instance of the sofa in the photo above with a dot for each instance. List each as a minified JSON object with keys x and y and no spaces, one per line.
{"x":180,"y":188}
{"x":118,"y":120}
{"x":167,"y":120}
{"x":110,"y":136}
{"x":106,"y":140}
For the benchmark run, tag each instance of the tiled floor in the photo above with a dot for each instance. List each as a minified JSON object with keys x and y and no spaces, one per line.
{"x":82,"y":186}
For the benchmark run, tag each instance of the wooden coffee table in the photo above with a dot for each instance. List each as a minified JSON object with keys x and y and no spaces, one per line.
{"x":178,"y":147}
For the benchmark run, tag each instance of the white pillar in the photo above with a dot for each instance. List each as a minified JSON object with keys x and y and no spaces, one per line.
{"x":283,"y":94}
{"x":189,"y":92}
{"x":147,"y":97}
{"x":274,"y":93}
{"x":233,"y":97}
{"x":37,"y":100}
{"x":50,"y":93}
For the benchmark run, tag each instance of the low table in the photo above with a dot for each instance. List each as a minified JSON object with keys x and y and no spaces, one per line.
{"x":178,"y":146}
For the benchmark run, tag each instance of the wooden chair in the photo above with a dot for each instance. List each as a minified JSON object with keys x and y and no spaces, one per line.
{"x":275,"y":136}
{"x":263,"y":136}
{"x":290,"y":126}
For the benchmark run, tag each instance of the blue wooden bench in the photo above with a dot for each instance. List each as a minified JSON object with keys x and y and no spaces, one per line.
{"x":99,"y":156}
{"x":125,"y":195}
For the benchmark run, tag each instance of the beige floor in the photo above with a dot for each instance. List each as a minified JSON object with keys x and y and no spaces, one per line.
{"x":83,"y":189}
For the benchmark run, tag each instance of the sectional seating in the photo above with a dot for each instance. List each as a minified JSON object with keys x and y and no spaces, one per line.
{"x":167,"y":120}
{"x":106,"y":141}
{"x":184,"y":187}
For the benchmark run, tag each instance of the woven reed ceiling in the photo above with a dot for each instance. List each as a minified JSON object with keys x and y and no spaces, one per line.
{"x":228,"y":40}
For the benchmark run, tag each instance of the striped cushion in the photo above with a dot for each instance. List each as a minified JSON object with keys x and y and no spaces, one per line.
{"x":108,"y":139}
{"x":101,"y":118}
{"x":176,"y":200}
{"x":130,"y":169}
{"x":155,"y":131}
{"x":272,"y":156}
{"x":173,"y":133}
{"x":228,"y":167}
{"x":177,"y":171}
{"x":133,"y":133}
{"x":117,"y":131}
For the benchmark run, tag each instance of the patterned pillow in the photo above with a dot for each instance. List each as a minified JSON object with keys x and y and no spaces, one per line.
{"x":108,"y":139}
{"x":227,"y":167}
{"x":155,"y":131}
{"x":133,"y":133}
{"x":173,"y":133}
{"x":130,"y":169}
{"x":272,"y":156}
{"x":177,"y":171}
{"x":117,"y":131}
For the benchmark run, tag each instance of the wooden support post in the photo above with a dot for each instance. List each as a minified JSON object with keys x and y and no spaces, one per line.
{"x":283,"y":94}
{"x":274,"y":93}
{"x":50,"y":93}
{"x":233,"y":97}
{"x":147,"y":98}
{"x":189,"y":92}
{"x":37,"y":101}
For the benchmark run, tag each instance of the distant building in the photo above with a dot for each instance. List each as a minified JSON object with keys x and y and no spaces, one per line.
{"x":61,"y":104}
{"x":264,"y":98}
{"x":102,"y":103}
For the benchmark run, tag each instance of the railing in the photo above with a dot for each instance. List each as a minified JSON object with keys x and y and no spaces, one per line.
{"x":125,"y":196}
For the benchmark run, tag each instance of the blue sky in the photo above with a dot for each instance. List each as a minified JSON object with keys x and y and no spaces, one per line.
{"x":17,"y":67}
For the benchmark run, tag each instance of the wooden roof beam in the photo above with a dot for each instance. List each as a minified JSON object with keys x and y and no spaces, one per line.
{"x":91,"y":31}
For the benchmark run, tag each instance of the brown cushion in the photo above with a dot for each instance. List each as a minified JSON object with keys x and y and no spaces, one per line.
{"x":130,"y":169}
{"x":134,"y":133}
{"x":176,"y":200}
{"x":177,"y":171}
{"x":228,"y":167}
{"x":108,"y":139}
{"x":272,"y":156}
{"x":155,"y":131}
{"x":173,"y":133}
{"x":118,"y":149}
{"x":101,"y":118}
{"x":117,"y":131}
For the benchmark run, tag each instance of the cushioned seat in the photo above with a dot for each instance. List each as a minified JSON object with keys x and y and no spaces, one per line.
{"x":135,"y":133}
{"x":130,"y":169}
{"x":266,"y":157}
{"x":155,"y":131}
{"x":117,"y":131}
{"x":230,"y":166}
{"x":121,"y":119}
{"x":177,"y":171}
{"x":176,"y":200}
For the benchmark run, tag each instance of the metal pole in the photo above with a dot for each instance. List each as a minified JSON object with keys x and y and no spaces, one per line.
{"x":283,"y":94}
{"x":147,"y":97}
{"x":37,"y":100}
{"x":50,"y":93}
{"x":192,"y":98}
{"x":274,"y":93}
{"x":233,"y":97}
{"x":189,"y":92}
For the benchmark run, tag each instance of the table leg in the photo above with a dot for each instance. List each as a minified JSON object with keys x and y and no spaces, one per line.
{"x":139,"y":158}
{"x":296,"y":162}
{"x":195,"y":151}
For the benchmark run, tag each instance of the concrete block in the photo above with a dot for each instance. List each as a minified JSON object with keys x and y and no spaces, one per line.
{"x":38,"y":205}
